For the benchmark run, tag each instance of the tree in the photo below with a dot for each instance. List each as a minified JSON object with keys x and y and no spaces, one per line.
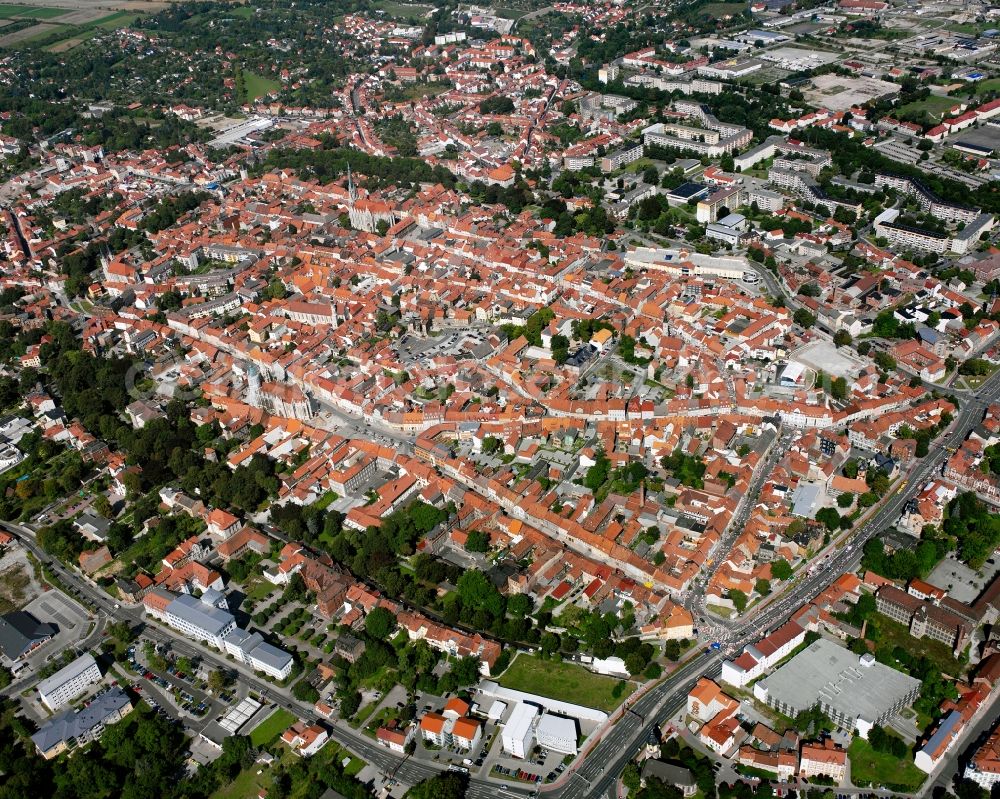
{"x":121,"y":631}
{"x":304,"y":692}
{"x":477,"y":541}
{"x":882,"y":741}
{"x":103,"y":506}
{"x":560,"y":348}
{"x":597,"y":474}
{"x":762,"y":587}
{"x":380,"y":623}
{"x":829,"y":518}
{"x":739,"y":599}
{"x":217,"y":680}
{"x":465,"y":670}
{"x":631,"y":777}
{"x":842,"y":338}
{"x":846,"y":499}
{"x":804,"y":318}
{"x":447,"y":785}
{"x":295,"y":591}
{"x":838,"y":388}
{"x":519,"y":605}
{"x":780,"y":569}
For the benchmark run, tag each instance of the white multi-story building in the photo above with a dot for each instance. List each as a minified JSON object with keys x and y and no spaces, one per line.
{"x":191,"y":616}
{"x":204,"y":621}
{"x":519,"y":730}
{"x":254,"y":651}
{"x":557,"y":734}
{"x":69,"y":682}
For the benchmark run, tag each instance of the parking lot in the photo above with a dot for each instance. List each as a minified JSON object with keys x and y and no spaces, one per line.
{"x":71,"y":620}
{"x":174,"y":692}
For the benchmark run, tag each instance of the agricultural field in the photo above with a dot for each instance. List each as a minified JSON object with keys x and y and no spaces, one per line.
{"x":32,"y":12}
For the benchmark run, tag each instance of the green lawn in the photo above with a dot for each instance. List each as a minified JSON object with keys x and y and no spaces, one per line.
{"x":326,"y":500}
{"x":970,"y":28}
{"x":243,"y":11}
{"x":878,"y":768}
{"x":258,"y":85}
{"x":260,"y":589}
{"x":564,"y":681}
{"x":248,"y":783}
{"x":269,"y":729}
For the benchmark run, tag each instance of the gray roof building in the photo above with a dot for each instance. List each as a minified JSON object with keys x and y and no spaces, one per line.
{"x":669,"y":774}
{"x":21,"y":632}
{"x":855,"y":692}
{"x":77,"y":727}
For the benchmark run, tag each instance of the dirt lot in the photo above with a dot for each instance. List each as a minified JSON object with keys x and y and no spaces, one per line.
{"x":17,"y":581}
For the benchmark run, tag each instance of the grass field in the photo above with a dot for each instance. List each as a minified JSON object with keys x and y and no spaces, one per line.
{"x":934,"y":105}
{"x":511,"y":13}
{"x":892,"y":634}
{"x":991,"y":85}
{"x":14,"y":584}
{"x":565,"y":681}
{"x":403,"y":10}
{"x":243,"y":11}
{"x":867,"y":765}
{"x":722,"y":9}
{"x":258,"y":85}
{"x":269,"y":729}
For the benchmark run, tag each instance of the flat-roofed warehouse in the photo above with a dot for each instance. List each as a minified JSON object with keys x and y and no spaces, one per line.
{"x":855,"y":692}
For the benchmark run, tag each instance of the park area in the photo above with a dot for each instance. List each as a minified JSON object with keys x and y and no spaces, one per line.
{"x":567,"y":682}
{"x":881,"y":768}
{"x":251,"y":782}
